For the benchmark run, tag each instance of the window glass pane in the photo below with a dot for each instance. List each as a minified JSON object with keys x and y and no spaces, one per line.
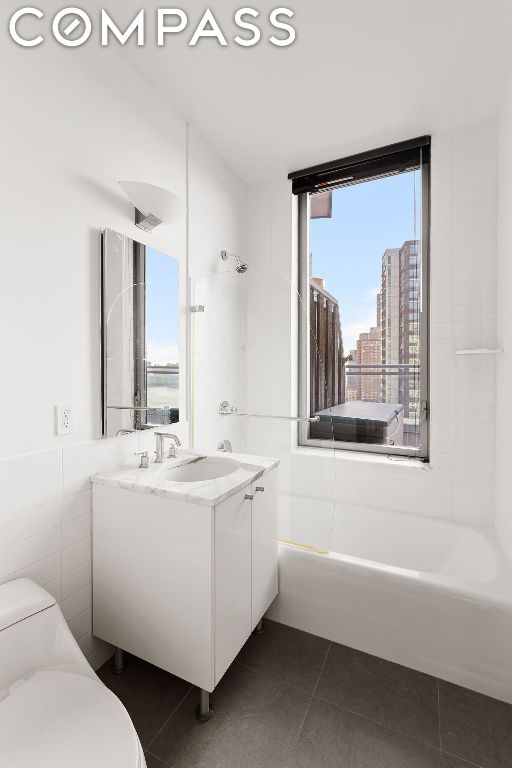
{"x":365,"y":270}
{"x":162,"y":330}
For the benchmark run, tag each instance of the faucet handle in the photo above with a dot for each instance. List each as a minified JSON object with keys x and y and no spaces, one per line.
{"x":144,"y":459}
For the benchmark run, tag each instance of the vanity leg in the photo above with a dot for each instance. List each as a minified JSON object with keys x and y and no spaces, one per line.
{"x":259,"y":628}
{"x":119,"y":661}
{"x":204,"y":711}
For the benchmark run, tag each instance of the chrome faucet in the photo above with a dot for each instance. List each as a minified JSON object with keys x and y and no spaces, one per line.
{"x":144,"y":459}
{"x":225,"y":446}
{"x":160,"y":439}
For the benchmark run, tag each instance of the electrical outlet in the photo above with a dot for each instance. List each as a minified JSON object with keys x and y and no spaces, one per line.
{"x":63,"y":419}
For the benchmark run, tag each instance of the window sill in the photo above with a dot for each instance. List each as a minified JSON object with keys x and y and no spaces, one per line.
{"x":361,"y":457}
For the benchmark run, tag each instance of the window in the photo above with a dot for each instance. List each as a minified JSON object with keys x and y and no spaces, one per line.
{"x":364,"y":249}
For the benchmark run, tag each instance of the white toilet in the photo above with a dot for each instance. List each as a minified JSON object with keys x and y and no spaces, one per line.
{"x":54,"y":710}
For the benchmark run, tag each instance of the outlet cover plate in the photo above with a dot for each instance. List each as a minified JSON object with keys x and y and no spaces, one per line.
{"x":63,"y":419}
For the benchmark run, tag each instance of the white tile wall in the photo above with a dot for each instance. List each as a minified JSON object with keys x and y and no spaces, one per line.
{"x":219,"y":356}
{"x":45,"y":526}
{"x":458,"y":483}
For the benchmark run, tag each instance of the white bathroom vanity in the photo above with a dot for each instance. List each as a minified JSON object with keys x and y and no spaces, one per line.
{"x":185,"y":560}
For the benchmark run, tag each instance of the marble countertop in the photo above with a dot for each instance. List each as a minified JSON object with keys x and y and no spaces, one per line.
{"x":157,"y":478}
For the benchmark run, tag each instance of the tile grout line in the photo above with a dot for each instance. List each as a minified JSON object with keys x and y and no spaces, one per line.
{"x":461,"y":759}
{"x":11,"y":516}
{"x":322,"y":668}
{"x":29,"y":565}
{"x":173,"y":712}
{"x":379,"y":724}
{"x":441,"y":750}
{"x":33,"y":535}
{"x":33,"y":480}
{"x":155,"y":757}
{"x":295,"y":741}
{"x":78,"y":615}
{"x":266,"y":674}
{"x":74,"y":544}
{"x":73,"y":594}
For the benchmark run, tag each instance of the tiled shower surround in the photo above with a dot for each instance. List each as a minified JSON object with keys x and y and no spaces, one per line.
{"x":317,"y":486}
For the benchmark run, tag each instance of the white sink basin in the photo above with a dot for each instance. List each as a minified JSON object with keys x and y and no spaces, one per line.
{"x":205,"y":469}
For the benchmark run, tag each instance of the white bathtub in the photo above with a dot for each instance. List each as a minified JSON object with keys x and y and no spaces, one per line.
{"x":431,"y":595}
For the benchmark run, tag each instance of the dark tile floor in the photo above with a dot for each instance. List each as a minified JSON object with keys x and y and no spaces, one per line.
{"x":292,"y":700}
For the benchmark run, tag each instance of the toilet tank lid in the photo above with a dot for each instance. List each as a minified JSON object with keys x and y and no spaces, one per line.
{"x":21,"y":599}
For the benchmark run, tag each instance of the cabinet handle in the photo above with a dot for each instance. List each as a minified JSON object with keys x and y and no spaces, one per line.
{"x":249,"y":497}
{"x":260,"y":488}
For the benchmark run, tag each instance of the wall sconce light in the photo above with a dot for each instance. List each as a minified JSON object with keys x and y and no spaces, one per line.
{"x":153,"y":205}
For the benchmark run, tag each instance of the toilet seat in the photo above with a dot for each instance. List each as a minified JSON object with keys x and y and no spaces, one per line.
{"x":59,"y":719}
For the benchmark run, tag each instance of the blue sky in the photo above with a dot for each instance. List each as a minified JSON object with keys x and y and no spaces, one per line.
{"x":162,"y":307}
{"x":347,"y":249}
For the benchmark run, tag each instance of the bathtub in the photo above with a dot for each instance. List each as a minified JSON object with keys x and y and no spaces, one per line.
{"x":432,"y":595}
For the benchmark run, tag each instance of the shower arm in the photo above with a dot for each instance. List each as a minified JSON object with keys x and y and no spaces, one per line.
{"x":241,"y":266}
{"x":227,"y":410}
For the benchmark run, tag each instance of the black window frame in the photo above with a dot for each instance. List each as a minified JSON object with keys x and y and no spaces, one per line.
{"x":377,"y":163}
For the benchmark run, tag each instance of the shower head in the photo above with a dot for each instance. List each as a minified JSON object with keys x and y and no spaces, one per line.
{"x":241,"y":267}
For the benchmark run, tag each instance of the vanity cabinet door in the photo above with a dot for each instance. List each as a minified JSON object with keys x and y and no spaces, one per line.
{"x":264,"y":544}
{"x":232,"y":578}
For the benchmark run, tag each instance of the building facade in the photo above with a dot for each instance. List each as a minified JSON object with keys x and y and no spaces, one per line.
{"x":369,"y":353}
{"x":390,"y":322}
{"x":409,"y":332}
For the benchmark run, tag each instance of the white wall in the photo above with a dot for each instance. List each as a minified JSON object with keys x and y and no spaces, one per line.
{"x":317,"y":486}
{"x":72,"y":132}
{"x":504,"y":362}
{"x":75,"y":123}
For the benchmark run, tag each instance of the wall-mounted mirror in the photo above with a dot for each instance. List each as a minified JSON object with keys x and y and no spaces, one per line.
{"x":140,"y":335}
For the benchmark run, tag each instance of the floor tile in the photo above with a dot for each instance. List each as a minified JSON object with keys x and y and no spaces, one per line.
{"x":335,"y":738}
{"x":389,"y":694}
{"x":149,"y":694}
{"x":288,"y":655}
{"x":254,"y":725}
{"x":475,"y":727}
